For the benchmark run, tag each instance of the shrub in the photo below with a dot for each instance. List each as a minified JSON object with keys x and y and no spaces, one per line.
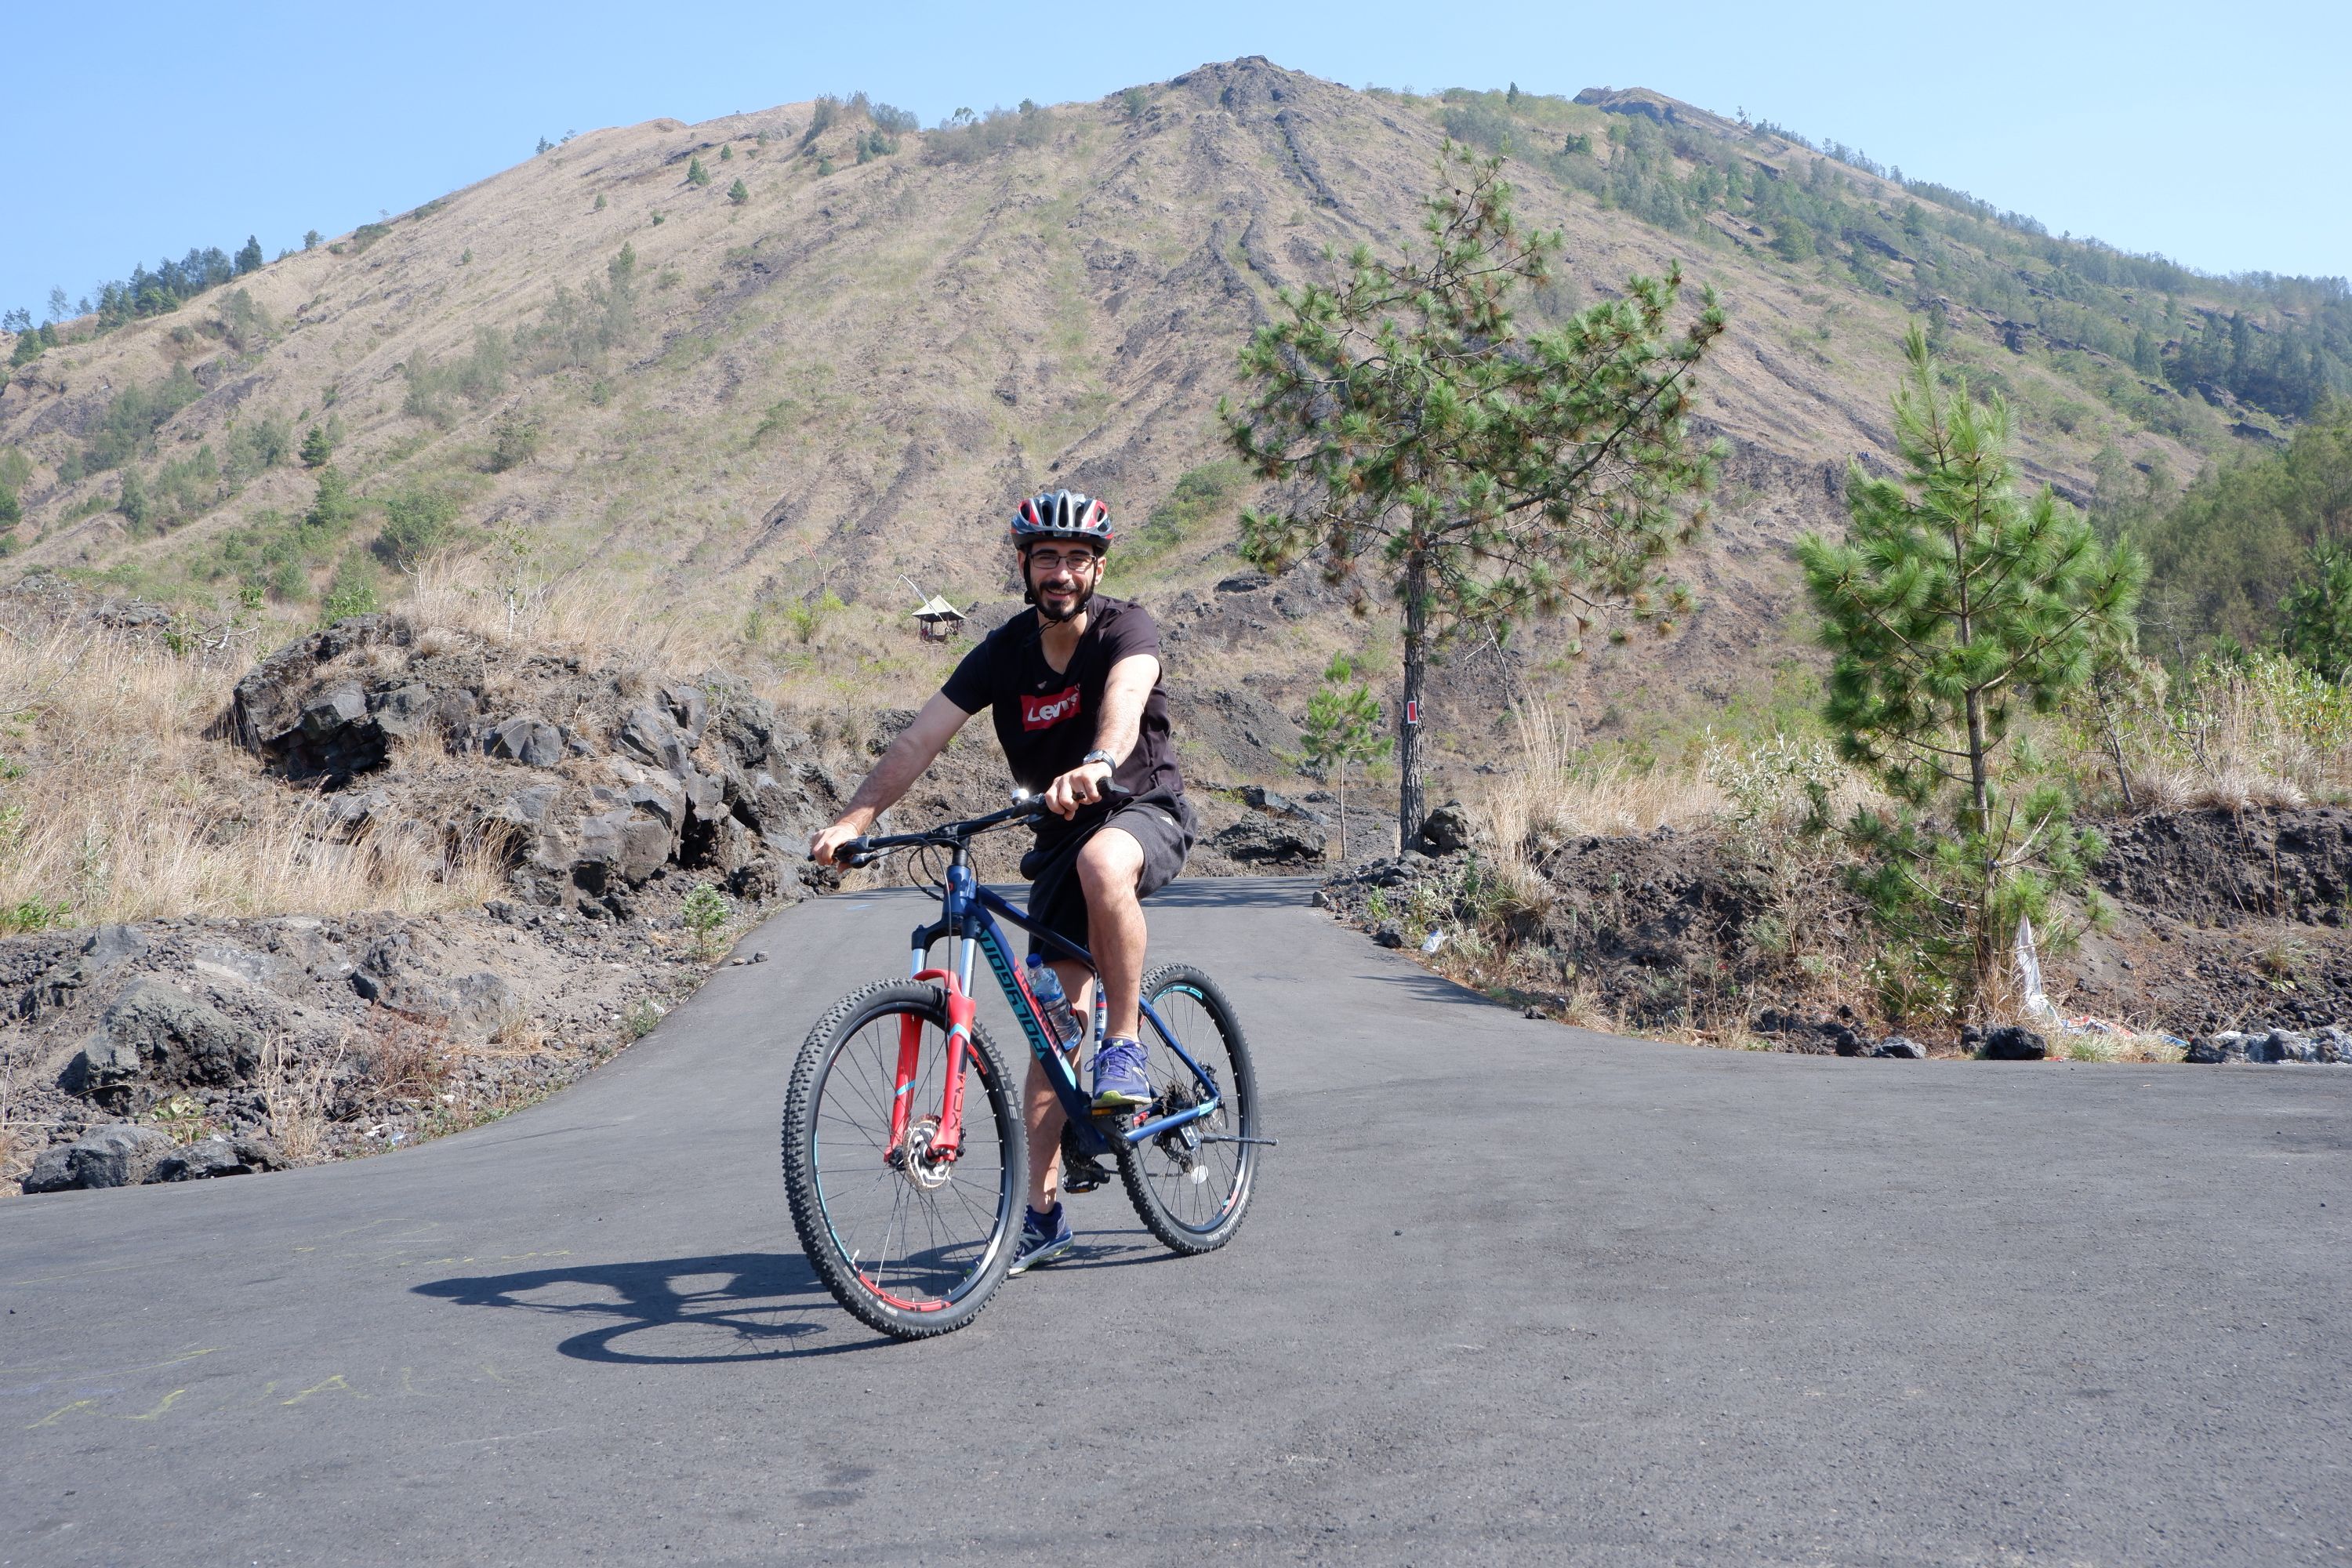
{"x":332,"y":505}
{"x":317,"y":446}
{"x":739,"y":192}
{"x":134,"y":414}
{"x":417,"y":523}
{"x":696,"y":174}
{"x":513,"y":442}
{"x":132,"y":502}
{"x":353,"y":591}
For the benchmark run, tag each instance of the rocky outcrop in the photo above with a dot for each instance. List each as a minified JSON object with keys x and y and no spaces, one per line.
{"x":2330,"y":1046}
{"x":156,"y":1037}
{"x":601,"y":781}
{"x":121,"y":1155}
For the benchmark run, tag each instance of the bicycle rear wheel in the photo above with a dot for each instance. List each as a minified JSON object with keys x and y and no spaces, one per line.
{"x":911,"y":1246}
{"x":1193,"y":1185}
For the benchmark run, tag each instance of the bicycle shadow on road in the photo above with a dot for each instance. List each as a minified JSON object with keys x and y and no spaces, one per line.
{"x":673,"y":1311}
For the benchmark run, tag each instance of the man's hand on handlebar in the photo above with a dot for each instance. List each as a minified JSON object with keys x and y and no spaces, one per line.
{"x":1082,"y":786}
{"x":825,"y":841}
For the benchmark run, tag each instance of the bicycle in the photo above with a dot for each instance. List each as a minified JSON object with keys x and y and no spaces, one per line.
{"x":879,"y":1141}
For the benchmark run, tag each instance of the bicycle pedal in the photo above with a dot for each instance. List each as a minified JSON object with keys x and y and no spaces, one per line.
{"x":1083,"y":1176}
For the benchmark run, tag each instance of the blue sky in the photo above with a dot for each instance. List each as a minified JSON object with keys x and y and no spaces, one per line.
{"x":2212,"y":134}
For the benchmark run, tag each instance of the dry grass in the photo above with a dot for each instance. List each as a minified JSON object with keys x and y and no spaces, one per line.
{"x":2265,"y":732}
{"x":114,"y":807}
{"x":405,"y":1059}
{"x":1551,"y":787}
{"x":598,"y":617}
{"x":294,"y":1098}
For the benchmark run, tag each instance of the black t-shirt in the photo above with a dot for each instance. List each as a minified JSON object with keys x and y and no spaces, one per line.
{"x":1046,"y":718}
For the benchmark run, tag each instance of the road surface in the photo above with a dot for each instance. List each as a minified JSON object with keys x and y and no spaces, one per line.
{"x":1507,"y":1289}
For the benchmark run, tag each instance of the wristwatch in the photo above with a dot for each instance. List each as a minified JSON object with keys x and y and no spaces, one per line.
{"x":1099,"y":755}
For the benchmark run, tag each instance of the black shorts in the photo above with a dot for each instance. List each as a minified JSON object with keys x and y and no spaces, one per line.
{"x":1161,"y":825}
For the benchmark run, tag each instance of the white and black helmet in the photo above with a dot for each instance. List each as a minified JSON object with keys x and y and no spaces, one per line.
{"x":1062,"y":514}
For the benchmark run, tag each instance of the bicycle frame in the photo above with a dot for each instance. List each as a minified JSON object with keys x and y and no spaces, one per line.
{"x":969,"y":914}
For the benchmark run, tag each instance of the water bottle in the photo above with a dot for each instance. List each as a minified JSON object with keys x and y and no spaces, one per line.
{"x":1060,"y":1018}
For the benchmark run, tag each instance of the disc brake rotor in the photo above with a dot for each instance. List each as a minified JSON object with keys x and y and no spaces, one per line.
{"x":917,"y":1166}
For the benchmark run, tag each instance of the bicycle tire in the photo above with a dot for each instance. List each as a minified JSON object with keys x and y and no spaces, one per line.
{"x":983,"y":1236}
{"x":1158,"y":1173}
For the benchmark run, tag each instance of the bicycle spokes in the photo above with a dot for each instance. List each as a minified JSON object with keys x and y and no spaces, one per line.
{"x":914,"y":1205}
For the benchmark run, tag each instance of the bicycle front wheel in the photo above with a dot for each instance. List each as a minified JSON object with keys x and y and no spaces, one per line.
{"x":1191,"y":1185}
{"x":910,"y":1242}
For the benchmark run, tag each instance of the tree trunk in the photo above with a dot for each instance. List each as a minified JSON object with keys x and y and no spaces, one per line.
{"x":1343,"y":814}
{"x":1411,"y":810}
{"x":1988,"y":945}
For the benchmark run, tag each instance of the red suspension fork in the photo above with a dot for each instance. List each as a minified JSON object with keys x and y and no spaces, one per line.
{"x":948,"y":1141}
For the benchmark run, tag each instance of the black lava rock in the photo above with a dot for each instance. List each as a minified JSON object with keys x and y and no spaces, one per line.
{"x":2011,"y":1043}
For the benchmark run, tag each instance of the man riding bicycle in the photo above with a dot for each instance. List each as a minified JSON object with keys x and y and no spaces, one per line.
{"x":1075,"y":695}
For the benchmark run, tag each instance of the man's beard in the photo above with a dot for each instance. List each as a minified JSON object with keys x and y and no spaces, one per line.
{"x":1080,"y":598}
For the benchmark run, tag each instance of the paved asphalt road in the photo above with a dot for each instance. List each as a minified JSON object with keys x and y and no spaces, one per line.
{"x":1507,"y":1289}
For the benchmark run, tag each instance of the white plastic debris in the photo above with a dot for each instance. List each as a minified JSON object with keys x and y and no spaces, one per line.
{"x":1435,"y":940}
{"x":2037,"y":1002}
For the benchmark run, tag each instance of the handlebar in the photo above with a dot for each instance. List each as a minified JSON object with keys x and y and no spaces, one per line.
{"x":866,"y":850}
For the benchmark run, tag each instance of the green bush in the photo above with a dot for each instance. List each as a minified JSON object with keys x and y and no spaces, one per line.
{"x":739,"y":192}
{"x":133,"y":416}
{"x":132,"y":502}
{"x":417,"y":523}
{"x":696,"y":174}
{"x":353,"y":591}
{"x":332,"y":505}
{"x":514,"y":441}
{"x":256,"y":445}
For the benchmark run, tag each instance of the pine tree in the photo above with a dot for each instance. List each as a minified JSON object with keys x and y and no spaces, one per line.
{"x":739,"y":192}
{"x":250,"y":259}
{"x":133,"y":502}
{"x":1490,"y":476}
{"x":12,"y":510}
{"x":1343,"y":726}
{"x":333,"y":506}
{"x":1953,"y":606}
{"x":696,"y":174}
{"x":317,"y":446}
{"x":2318,"y":613}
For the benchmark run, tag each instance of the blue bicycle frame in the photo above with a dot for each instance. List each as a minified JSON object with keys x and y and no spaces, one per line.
{"x":968,"y":918}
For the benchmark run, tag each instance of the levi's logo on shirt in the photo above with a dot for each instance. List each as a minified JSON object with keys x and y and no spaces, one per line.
{"x":1045,"y":712}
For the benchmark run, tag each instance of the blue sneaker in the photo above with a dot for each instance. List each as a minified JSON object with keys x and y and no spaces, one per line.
{"x":1043,"y":1237}
{"x":1119,"y":1080}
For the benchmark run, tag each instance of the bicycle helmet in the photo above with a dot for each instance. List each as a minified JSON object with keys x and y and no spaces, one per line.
{"x":1061,"y":515}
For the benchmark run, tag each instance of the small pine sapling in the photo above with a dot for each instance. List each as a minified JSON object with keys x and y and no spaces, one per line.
{"x":705,"y":913}
{"x":1343,"y":726}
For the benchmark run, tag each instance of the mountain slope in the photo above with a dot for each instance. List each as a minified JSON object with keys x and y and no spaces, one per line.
{"x":735,"y":407}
